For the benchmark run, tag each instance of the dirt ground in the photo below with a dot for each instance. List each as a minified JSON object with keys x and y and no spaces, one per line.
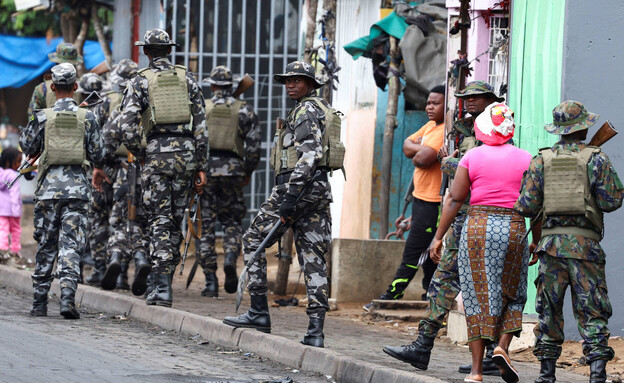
{"x":571,"y":359}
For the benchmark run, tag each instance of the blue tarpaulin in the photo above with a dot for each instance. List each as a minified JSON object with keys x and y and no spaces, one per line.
{"x":23,"y":59}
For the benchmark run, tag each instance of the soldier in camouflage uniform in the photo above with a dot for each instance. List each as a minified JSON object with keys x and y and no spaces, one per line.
{"x":127,"y":239}
{"x":444,"y":286}
{"x":100,"y":201}
{"x":568,"y":245}
{"x":232,"y":127}
{"x":63,"y":190}
{"x":173,"y":122}
{"x":43,"y":96}
{"x":309,"y":218}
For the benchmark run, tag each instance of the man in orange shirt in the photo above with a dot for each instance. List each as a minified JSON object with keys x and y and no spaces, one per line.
{"x":422,"y":148}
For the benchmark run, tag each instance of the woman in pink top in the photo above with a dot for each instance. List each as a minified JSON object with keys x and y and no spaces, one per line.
{"x":492,"y":258}
{"x":10,"y":204}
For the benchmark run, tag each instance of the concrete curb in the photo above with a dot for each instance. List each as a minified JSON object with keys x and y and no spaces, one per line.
{"x":291,"y":353}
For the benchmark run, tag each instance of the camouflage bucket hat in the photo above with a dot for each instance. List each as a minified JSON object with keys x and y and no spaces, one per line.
{"x":569,"y":117}
{"x":220,"y":76}
{"x":89,"y":82}
{"x":65,"y":53}
{"x":64,"y":74}
{"x":156,"y":36}
{"x":476,"y":88}
{"x":299,"y":68}
{"x":122,"y":72}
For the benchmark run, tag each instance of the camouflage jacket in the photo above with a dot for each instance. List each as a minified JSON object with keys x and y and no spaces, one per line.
{"x":606,"y":188}
{"x":168,"y":148}
{"x":38,"y":99}
{"x":101,"y":110}
{"x":461,"y":128}
{"x":219,"y":165}
{"x":63,"y":181}
{"x":305,"y":124}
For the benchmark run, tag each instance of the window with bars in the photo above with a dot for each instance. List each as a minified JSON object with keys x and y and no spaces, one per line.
{"x":498,"y":60}
{"x":248,"y":36}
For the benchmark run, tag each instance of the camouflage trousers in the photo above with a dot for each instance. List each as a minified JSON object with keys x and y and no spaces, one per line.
{"x":61,"y":235}
{"x":126,"y":237}
{"x":444,"y":286}
{"x":312,"y":237}
{"x":590,"y":304}
{"x":165,"y":197}
{"x":222,"y":200}
{"x":99,"y":230}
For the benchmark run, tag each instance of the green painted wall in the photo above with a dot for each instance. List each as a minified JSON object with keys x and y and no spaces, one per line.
{"x":535,"y":79}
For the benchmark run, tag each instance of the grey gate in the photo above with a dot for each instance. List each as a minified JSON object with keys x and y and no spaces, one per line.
{"x":258,"y":37}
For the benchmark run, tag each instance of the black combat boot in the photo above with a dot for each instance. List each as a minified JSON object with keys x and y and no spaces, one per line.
{"x":98,"y":273}
{"x":417,"y":354}
{"x":212,"y":285}
{"x":109,"y":281}
{"x":315,"y":337}
{"x":162,"y":295}
{"x":142,"y":269}
{"x":489,"y":367}
{"x":68,"y":306}
{"x":229,"y":267}
{"x":547,"y":371}
{"x":256,"y":317}
{"x":40,"y":304}
{"x":122,"y":278}
{"x":151,"y":284}
{"x":598,"y":371}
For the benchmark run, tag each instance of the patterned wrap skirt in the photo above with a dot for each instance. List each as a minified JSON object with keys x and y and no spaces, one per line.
{"x":493,"y":266}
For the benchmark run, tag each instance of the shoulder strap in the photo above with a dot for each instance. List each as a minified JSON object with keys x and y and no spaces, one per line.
{"x":588,"y":151}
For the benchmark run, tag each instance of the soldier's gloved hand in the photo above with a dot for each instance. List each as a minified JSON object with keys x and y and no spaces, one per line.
{"x":287,"y":209}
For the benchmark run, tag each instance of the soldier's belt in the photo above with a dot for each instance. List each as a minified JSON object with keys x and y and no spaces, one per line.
{"x":169,"y":134}
{"x":283,"y":178}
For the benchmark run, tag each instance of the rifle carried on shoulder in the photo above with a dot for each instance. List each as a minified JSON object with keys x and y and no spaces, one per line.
{"x":604,"y":134}
{"x":26,"y":167}
{"x":245,"y":83}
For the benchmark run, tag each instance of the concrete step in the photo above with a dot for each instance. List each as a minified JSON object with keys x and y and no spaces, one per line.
{"x":400,"y":315}
{"x":399,"y":305}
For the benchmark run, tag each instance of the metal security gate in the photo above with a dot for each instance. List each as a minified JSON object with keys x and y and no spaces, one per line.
{"x":258,"y":37}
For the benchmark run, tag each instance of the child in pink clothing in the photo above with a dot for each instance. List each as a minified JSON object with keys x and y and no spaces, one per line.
{"x":10,"y":204}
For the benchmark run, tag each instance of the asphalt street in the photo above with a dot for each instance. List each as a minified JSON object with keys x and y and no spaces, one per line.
{"x":113,"y":348}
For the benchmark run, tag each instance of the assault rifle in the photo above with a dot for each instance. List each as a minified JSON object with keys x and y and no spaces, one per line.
{"x":604,"y":134}
{"x":26,"y":167}
{"x":93,"y":95}
{"x":133,"y":175}
{"x":448,"y":129}
{"x":194,"y":216}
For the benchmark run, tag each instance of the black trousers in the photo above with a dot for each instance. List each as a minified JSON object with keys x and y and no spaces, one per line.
{"x":425,"y":217}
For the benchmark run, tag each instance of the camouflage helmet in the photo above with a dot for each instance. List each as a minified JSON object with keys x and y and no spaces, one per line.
{"x":65,"y":53}
{"x":220,"y":76}
{"x":569,"y":117}
{"x":64,"y":74}
{"x":122,"y":72}
{"x":476,"y":88}
{"x":89,"y":82}
{"x":299,"y":68}
{"x":156,"y":37}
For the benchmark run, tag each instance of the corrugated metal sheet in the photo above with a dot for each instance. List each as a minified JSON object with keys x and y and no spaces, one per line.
{"x":535,"y":80}
{"x":356,"y":90}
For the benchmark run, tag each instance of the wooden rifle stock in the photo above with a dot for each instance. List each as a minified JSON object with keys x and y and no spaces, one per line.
{"x":245,"y":83}
{"x":604,"y":134}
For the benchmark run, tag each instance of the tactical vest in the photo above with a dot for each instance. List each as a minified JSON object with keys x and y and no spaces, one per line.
{"x":64,"y":137}
{"x":50,"y":96}
{"x":333,"y":149}
{"x":223,"y":130}
{"x":567,"y":190}
{"x":168,"y":98}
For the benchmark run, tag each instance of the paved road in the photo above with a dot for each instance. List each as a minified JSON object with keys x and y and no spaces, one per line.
{"x":101,"y":348}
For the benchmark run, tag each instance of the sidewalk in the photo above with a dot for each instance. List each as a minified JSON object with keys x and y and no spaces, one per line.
{"x":353,"y":350}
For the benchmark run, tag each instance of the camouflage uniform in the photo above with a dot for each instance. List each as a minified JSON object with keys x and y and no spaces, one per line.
{"x":571,"y":260}
{"x":101,"y":202}
{"x":174,"y":153}
{"x":65,"y":53}
{"x":62,"y":196}
{"x":223,"y":195}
